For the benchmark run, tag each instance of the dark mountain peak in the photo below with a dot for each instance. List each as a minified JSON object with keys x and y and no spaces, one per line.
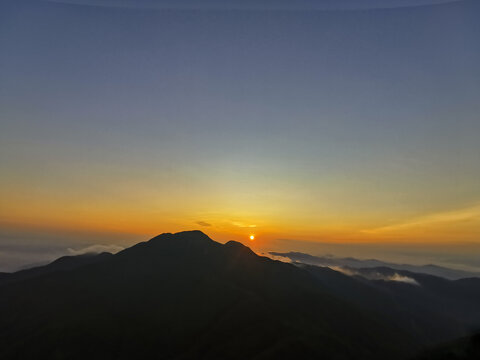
{"x":185,"y":243}
{"x":191,"y":238}
{"x":238,"y":247}
{"x":235,"y":244}
{"x":192,"y":235}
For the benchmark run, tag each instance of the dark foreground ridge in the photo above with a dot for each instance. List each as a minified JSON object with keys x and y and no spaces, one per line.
{"x":185,"y":296}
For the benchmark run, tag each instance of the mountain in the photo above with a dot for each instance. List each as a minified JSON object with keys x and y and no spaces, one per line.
{"x":350,"y":262}
{"x":184,"y":296}
{"x":433,"y":308}
{"x":64,"y":263}
{"x":458,"y":299}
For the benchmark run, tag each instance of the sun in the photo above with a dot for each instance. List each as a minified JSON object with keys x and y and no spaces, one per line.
{"x":252,"y":237}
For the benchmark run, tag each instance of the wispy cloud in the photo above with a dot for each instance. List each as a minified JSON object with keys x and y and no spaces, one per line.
{"x":440,"y":218}
{"x":203,"y":223}
{"x":374,"y":275}
{"x":402,"y":278}
{"x":95,"y":249}
{"x":242,"y":224}
{"x":276,"y":257}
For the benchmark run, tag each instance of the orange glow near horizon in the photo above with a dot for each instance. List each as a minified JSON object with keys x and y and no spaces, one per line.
{"x":228,"y":214}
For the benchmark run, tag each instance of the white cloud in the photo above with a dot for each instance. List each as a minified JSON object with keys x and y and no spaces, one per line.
{"x":401,"y":278}
{"x":376,"y":275}
{"x":242,"y":224}
{"x":276,"y":257}
{"x":95,"y":249}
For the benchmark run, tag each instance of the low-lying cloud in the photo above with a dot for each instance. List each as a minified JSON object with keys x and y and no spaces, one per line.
{"x":402,"y":278}
{"x":276,"y":257}
{"x":375,"y":275}
{"x":95,"y":249}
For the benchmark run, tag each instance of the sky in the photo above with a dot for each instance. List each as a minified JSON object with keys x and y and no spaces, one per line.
{"x":347,"y":122}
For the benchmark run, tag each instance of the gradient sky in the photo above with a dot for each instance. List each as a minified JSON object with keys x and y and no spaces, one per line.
{"x":332,"y":122}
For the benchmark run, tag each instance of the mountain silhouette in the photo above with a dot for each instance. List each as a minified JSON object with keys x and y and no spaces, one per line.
{"x":433,"y":308}
{"x":182,"y":296}
{"x":350,"y":262}
{"x":63,"y":263}
{"x":185,"y":296}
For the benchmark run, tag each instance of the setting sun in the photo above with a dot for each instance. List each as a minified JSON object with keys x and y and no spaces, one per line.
{"x":252,"y":237}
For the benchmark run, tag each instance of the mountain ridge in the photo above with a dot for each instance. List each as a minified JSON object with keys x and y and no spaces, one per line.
{"x":190,"y":298}
{"x":431,"y":269}
{"x":186,"y":296}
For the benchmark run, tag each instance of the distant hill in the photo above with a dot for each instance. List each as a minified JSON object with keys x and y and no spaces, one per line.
{"x":432,"y":308}
{"x":185,"y":296}
{"x":64,"y":263}
{"x":350,"y":262}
